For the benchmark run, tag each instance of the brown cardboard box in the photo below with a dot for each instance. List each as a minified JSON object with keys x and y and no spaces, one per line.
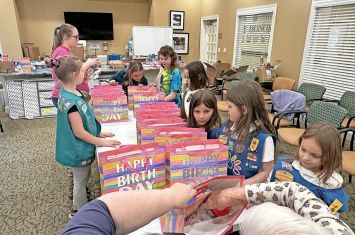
{"x":25,"y":47}
{"x":78,"y":52}
{"x":34,"y":53}
{"x":7,"y":67}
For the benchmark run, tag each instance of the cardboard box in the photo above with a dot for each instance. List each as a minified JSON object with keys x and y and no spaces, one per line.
{"x":78,"y":52}
{"x":25,"y":47}
{"x":34,"y":53}
{"x":7,"y":67}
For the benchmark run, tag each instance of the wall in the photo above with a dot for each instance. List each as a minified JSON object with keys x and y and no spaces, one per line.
{"x":159,"y":16}
{"x":289,"y":33}
{"x":38,"y":18}
{"x":9,"y":30}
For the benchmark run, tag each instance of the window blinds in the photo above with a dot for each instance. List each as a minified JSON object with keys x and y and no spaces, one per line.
{"x":329,"y":57}
{"x":253,"y":36}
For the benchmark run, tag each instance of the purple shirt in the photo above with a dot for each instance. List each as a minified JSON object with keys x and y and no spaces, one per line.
{"x":58,"y":52}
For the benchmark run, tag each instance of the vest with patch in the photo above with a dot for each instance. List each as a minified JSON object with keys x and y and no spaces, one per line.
{"x":337,"y":199}
{"x":245,"y":159}
{"x":70,"y":150}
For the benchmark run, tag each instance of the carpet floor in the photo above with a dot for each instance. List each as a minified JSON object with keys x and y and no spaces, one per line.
{"x":33,"y":190}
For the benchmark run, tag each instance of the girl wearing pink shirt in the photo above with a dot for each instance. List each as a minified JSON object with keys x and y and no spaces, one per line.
{"x":66,"y":37}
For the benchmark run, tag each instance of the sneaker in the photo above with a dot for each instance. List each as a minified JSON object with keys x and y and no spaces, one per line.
{"x":72,"y":213}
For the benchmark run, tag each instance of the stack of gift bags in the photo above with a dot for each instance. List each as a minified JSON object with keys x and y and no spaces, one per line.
{"x":132,"y":167}
{"x":109,"y":103}
{"x":143,"y":94}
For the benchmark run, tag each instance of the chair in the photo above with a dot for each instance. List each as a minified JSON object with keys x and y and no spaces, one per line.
{"x":347,"y":101}
{"x":222,"y":106}
{"x":286,"y":100}
{"x":348,"y":161}
{"x":319,"y":111}
{"x":312,"y":92}
{"x":281,"y":83}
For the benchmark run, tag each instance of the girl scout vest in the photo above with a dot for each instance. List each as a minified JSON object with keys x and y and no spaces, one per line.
{"x":244,"y":159}
{"x":337,"y":199}
{"x":70,"y":150}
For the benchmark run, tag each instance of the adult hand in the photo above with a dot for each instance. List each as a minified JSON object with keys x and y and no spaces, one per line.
{"x":113,"y":83}
{"x":181,"y":194}
{"x":110,"y":143}
{"x":226,"y":198}
{"x":105,"y":134}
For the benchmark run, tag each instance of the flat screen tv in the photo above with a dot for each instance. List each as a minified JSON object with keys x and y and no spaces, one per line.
{"x":91,"y":25}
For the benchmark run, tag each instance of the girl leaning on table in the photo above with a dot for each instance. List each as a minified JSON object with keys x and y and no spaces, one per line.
{"x":78,"y":132}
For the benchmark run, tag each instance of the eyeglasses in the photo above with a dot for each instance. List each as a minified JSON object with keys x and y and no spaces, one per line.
{"x":76,"y":36}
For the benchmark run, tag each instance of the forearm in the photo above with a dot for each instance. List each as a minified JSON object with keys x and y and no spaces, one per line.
{"x":298,"y":198}
{"x":171,"y":96}
{"x":133,"y":209}
{"x":87,"y":137}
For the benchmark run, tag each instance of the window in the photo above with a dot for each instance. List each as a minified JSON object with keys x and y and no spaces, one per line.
{"x":253,"y":35}
{"x":329,"y":57}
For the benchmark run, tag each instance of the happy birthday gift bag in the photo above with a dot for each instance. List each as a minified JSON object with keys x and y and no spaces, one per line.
{"x":138,"y":89}
{"x":148,"y":97}
{"x":132,"y":168}
{"x":196,"y":161}
{"x":110,"y":108}
{"x":165,"y":136}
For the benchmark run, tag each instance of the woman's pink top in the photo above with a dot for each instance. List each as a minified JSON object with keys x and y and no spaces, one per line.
{"x":58,"y":52}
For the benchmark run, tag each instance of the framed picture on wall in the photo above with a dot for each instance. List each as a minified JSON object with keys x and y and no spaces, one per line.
{"x":177,"y":19}
{"x":181,"y":43}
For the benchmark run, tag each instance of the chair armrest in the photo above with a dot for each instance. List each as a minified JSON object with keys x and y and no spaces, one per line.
{"x":279,"y":116}
{"x":346,"y":130}
{"x":330,"y":100}
{"x":349,"y":121}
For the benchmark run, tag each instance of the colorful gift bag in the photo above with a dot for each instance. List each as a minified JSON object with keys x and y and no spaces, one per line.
{"x":165,"y":136}
{"x":158,"y":106}
{"x":148,"y":97}
{"x":196,"y":220}
{"x":196,"y":161}
{"x":146,"y":130}
{"x":110,"y":108}
{"x":138,"y":89}
{"x":132,"y":168}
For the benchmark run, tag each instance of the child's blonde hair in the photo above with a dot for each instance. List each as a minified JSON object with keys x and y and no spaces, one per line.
{"x":248,"y":93}
{"x":60,"y":32}
{"x":328,"y":138}
{"x":65,"y":65}
{"x":133,"y":66}
{"x":207,"y":98}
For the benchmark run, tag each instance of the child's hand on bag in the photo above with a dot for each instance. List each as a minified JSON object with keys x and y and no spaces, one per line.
{"x":105,"y":134}
{"x":181,"y":194}
{"x":226,"y":198}
{"x":110,"y":143}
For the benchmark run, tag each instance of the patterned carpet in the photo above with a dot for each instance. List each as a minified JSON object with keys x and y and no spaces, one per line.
{"x":34,"y":187}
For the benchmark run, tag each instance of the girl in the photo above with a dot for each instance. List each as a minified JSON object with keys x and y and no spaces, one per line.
{"x":248,"y":133}
{"x":195,"y":78}
{"x":65,"y":38}
{"x":203,"y":112}
{"x":316,"y":165}
{"x":170,"y":80}
{"x":77,"y":129}
{"x":133,"y":76}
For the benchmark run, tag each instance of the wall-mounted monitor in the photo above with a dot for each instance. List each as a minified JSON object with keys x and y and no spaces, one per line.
{"x":91,"y":25}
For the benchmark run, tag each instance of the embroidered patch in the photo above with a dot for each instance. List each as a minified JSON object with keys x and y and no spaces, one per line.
{"x":223,"y":139}
{"x":335,"y":206}
{"x":283,"y":176}
{"x":254,"y":144}
{"x":83,"y":163}
{"x":252,"y":157}
{"x":239,"y":148}
{"x":67,"y":104}
{"x":231,"y":145}
{"x":286,"y":165}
